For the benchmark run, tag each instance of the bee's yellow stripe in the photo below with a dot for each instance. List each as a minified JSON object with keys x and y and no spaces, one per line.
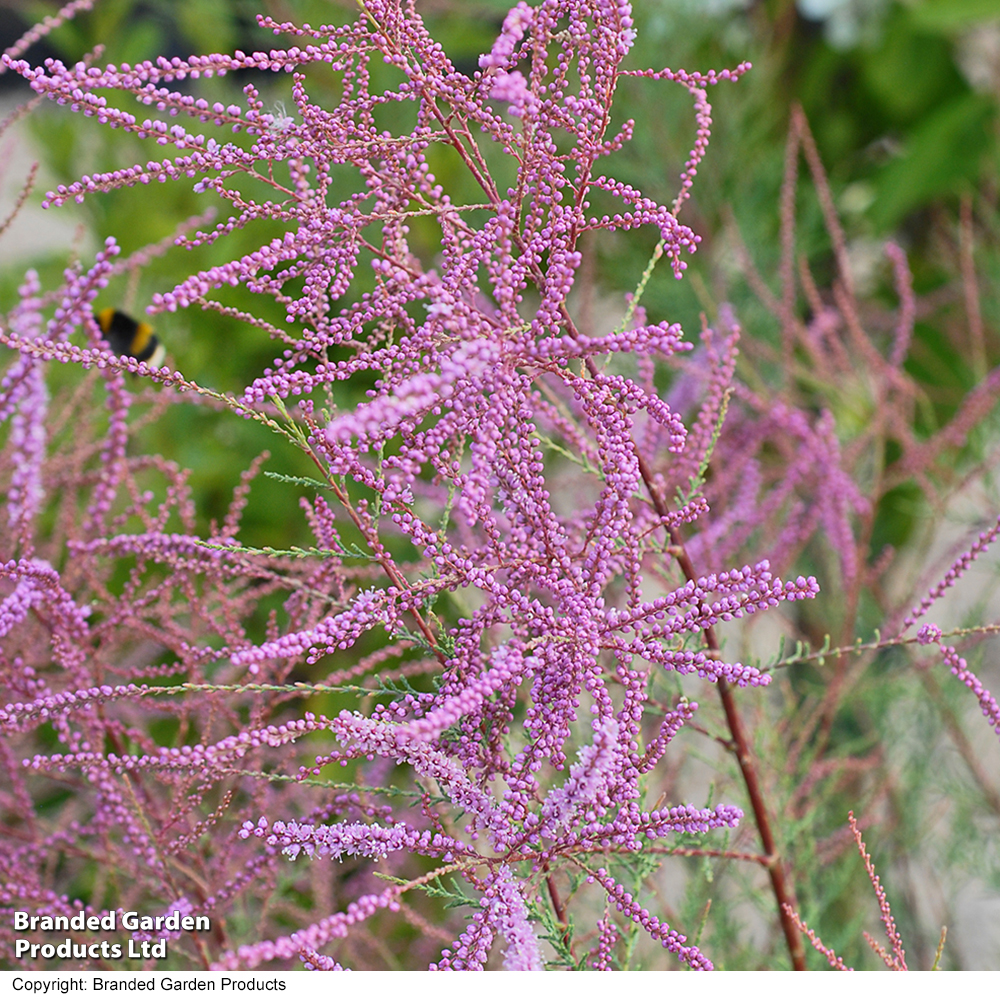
{"x":141,"y":339}
{"x":104,"y":318}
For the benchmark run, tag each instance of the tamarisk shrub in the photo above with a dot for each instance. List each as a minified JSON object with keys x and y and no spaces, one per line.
{"x":518,"y":549}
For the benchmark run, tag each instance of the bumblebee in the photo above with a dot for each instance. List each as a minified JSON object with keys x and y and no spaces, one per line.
{"x":127,"y":336}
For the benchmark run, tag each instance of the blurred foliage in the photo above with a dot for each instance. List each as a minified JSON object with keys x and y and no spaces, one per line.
{"x":902,"y":100}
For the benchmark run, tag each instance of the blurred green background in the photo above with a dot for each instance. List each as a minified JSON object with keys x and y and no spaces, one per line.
{"x":901,"y":97}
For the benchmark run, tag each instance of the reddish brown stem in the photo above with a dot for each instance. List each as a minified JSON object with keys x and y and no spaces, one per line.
{"x":775,"y":869}
{"x":560,"y":912}
{"x":783,"y":895}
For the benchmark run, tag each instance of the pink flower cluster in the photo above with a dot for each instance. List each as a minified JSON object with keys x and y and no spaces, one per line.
{"x":499,"y":556}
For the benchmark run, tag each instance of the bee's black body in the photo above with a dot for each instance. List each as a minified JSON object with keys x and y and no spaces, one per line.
{"x":128,"y":336}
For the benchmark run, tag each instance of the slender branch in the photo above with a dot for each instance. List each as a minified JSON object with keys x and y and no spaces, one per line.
{"x":783,"y":894}
{"x":784,"y":897}
{"x":560,"y":911}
